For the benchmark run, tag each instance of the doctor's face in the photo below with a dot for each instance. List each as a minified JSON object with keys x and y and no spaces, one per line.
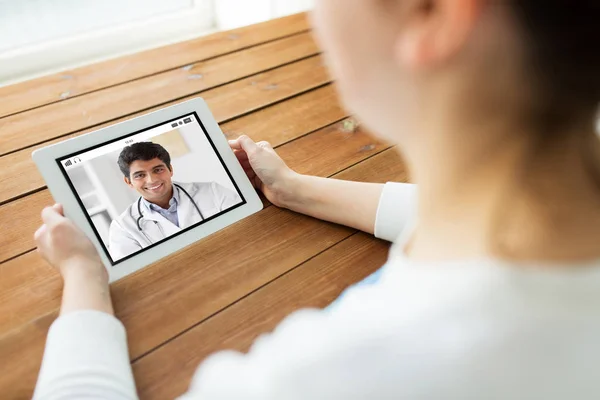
{"x":151,"y":179}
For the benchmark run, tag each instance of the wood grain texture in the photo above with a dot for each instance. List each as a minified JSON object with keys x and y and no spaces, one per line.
{"x":386,"y":166}
{"x":290,"y":119}
{"x":21,"y":217}
{"x":266,"y":81}
{"x":24,"y":278}
{"x":75,"y":82}
{"x":19,"y":220}
{"x":35,"y":301}
{"x":226,"y":102}
{"x":166,"y":372}
{"x":156,"y":304}
{"x":59,"y":119}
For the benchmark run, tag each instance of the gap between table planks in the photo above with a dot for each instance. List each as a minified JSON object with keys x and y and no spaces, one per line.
{"x":226,"y":102}
{"x":299,"y":237}
{"x":278,"y":124}
{"x":192,"y":285}
{"x":23,"y":130}
{"x":342,"y":150}
{"x":71,"y":83}
{"x":166,"y":372}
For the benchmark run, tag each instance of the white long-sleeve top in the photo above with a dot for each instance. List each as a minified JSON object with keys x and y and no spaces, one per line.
{"x":477,"y":329}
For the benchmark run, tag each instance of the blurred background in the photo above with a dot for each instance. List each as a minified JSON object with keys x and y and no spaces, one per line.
{"x":38,"y":37}
{"x":99,"y":182}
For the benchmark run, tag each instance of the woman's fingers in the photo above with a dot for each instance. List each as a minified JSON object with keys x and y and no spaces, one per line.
{"x":39,"y":233}
{"x":235,"y":144}
{"x":252,"y":177}
{"x":265,"y":145}
{"x":51,"y":216}
{"x":246,"y":164}
{"x":241,"y":155}
{"x":59,"y":209}
{"x":250,"y":172}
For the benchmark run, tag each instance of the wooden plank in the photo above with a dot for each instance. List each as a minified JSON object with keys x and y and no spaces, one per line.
{"x":317,"y":108}
{"x":59,"y":119}
{"x":383,"y":167}
{"x":21,"y":217}
{"x":160,"y":301}
{"x":166,"y":372}
{"x":310,"y":154}
{"x":71,"y":83}
{"x":21,"y":348}
{"x":156,"y":290}
{"x":21,"y":281}
{"x":226,"y":102}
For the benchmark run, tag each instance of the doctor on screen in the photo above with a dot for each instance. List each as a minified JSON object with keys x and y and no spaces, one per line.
{"x":164,"y":207}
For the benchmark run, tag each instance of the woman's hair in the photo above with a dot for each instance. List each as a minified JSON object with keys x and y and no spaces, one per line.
{"x":144,"y":151}
{"x":562,"y":39}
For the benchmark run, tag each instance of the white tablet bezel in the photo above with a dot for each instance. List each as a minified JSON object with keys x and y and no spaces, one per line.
{"x":47,"y":158}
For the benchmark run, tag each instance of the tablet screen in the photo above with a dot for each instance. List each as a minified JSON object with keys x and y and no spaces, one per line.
{"x":151,"y":185}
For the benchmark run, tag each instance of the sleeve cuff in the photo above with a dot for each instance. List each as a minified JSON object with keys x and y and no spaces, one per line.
{"x":397,"y":206}
{"x":86,"y":353}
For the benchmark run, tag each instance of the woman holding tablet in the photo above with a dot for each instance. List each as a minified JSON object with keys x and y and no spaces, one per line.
{"x":493,"y":290}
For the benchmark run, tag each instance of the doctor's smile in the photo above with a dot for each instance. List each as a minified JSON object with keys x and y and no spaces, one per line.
{"x":152,"y":180}
{"x":161,"y":189}
{"x":155,"y":188}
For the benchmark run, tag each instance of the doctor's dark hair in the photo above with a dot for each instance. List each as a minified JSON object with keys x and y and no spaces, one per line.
{"x":144,"y":151}
{"x":561,"y":41}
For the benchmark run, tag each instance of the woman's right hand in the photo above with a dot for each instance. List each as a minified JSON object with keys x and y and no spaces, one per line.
{"x":66,"y":248}
{"x":266,"y":170}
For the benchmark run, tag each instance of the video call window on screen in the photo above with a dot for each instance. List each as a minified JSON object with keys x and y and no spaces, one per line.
{"x":151,"y":185}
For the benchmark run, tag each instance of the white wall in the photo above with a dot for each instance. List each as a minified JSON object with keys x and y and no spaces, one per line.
{"x":201,"y":164}
{"x":108,"y":178}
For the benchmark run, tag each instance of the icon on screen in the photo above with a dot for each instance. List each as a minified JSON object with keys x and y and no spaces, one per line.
{"x":68,"y":163}
{"x":76,"y":160}
{"x":174,"y":125}
{"x":187,"y":120}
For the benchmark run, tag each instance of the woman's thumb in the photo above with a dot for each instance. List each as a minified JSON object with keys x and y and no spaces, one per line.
{"x":59,"y":209}
{"x":249,"y":146}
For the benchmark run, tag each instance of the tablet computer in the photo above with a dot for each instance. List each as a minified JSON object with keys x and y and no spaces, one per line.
{"x":147,"y":187}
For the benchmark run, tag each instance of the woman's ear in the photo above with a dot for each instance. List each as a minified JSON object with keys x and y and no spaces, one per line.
{"x":435,"y":31}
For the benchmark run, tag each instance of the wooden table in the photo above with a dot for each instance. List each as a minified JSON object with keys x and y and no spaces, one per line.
{"x":267,"y":81}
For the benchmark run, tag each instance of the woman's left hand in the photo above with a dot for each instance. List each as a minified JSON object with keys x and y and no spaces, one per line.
{"x":66,"y":247}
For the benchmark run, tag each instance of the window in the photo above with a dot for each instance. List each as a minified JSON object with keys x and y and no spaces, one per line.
{"x":231,"y":14}
{"x":44,"y":36}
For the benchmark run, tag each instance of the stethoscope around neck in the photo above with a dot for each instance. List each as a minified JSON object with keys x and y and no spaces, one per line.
{"x":139,"y":207}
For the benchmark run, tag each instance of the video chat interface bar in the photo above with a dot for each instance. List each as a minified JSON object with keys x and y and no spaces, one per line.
{"x":140,"y":137}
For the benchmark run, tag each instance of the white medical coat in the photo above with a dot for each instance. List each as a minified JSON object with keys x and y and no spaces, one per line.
{"x":125,"y":238}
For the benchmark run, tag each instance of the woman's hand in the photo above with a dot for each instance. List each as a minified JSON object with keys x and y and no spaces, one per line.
{"x":352,"y":204}
{"x":68,"y":250}
{"x":266,"y":170}
{"x":65,"y":247}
